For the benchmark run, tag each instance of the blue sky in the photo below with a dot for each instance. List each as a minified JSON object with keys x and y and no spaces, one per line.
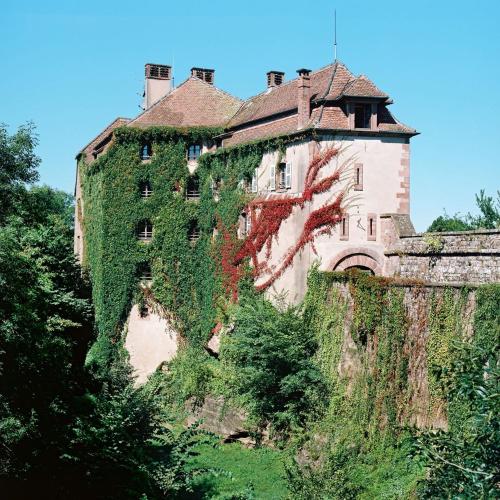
{"x":73,"y":66}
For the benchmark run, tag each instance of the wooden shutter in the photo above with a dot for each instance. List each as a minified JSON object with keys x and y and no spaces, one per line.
{"x":254,"y":181}
{"x":288,"y":176}
{"x":272,"y":178}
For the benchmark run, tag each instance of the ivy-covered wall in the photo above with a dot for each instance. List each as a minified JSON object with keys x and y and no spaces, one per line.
{"x":389,"y":352}
{"x":395,"y":340}
{"x":188,"y":277}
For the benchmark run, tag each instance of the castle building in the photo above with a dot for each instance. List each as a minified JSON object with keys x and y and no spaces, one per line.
{"x":322,"y":108}
{"x":307,"y":116}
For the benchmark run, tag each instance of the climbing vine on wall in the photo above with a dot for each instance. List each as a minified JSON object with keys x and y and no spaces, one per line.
{"x":188,"y":274}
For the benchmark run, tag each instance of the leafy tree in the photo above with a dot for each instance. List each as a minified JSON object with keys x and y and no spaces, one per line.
{"x":64,"y":432}
{"x":447,"y":223}
{"x":268,"y":359}
{"x":464,"y":461}
{"x":18,"y":165}
{"x":488,"y":218}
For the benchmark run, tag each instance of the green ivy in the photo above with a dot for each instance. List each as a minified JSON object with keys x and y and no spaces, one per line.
{"x":186,"y":281}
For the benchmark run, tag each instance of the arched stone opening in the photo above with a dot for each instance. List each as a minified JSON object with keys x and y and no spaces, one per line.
{"x":362,"y":259}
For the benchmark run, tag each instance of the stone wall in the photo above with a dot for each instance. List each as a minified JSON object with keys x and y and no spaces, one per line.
{"x":451,"y":258}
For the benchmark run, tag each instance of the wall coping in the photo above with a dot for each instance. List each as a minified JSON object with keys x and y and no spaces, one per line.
{"x":453,"y":233}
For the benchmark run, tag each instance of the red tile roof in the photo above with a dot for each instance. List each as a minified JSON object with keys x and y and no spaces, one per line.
{"x":193,"y":103}
{"x":117,"y":122}
{"x":273,"y":112}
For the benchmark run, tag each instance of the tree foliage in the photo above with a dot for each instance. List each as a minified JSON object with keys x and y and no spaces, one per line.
{"x":65,"y":432}
{"x":488,"y":217}
{"x":268,"y":365}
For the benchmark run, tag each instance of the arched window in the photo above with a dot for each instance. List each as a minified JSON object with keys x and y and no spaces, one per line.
{"x":145,"y":230}
{"x":194,"y":152}
{"x":193,"y":188}
{"x":145,"y":188}
{"x":193,"y":231}
{"x":146,"y":151}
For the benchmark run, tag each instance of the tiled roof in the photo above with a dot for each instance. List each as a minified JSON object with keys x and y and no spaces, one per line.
{"x":363,"y":87}
{"x":117,"y":122}
{"x":272,"y":128}
{"x":193,"y":103}
{"x":330,"y":83}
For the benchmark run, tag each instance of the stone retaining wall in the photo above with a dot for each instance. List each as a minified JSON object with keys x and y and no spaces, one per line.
{"x":449,"y":258}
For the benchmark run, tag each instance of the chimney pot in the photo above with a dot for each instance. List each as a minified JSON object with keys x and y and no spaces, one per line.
{"x":207,"y":75}
{"x":275,"y":78}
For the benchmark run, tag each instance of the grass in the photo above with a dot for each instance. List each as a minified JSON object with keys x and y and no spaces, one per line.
{"x":261,"y":468}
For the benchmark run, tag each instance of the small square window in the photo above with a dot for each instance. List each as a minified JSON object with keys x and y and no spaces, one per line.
{"x":194,"y":152}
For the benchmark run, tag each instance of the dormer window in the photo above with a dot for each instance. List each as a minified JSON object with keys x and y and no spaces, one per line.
{"x":146,"y":151}
{"x":145,"y":230}
{"x":362,"y":115}
{"x":194,"y":152}
{"x":146,"y":190}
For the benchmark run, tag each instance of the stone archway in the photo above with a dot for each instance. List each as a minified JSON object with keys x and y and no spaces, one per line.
{"x":360,"y":258}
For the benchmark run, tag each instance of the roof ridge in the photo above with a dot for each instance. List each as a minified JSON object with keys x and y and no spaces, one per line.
{"x":158,"y":102}
{"x":127,"y":120}
{"x":191,"y":77}
{"x":288,"y":82}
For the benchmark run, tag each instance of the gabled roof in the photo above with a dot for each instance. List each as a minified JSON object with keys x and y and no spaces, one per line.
{"x":363,"y":87}
{"x":193,"y":103}
{"x":329,"y":83}
{"x":117,"y":122}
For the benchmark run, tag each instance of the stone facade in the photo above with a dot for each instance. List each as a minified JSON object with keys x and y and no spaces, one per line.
{"x":460,"y":257}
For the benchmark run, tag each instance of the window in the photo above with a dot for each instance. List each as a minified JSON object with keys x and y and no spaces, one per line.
{"x":246,"y":224}
{"x":145,"y":188}
{"x":344,"y":228}
{"x":272,"y":178}
{"x":371,"y":227}
{"x":194,"y":152}
{"x":358,"y":177}
{"x":255,"y":176}
{"x":145,"y":230}
{"x":362,"y":115}
{"x":193,"y":232}
{"x":145,"y":272}
{"x":193,"y":188}
{"x":284,"y":176}
{"x":146,"y":151}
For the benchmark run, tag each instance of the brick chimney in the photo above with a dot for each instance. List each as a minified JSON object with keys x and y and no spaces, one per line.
{"x":275,"y":78}
{"x":207,"y":75}
{"x":158,"y":83}
{"x":304,"y":97}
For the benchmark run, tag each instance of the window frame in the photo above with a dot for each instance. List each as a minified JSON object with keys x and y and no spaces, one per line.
{"x":358,"y":177}
{"x":145,"y":189}
{"x":146,"y":151}
{"x":197,"y":149}
{"x":371,"y":227}
{"x":145,"y":230}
